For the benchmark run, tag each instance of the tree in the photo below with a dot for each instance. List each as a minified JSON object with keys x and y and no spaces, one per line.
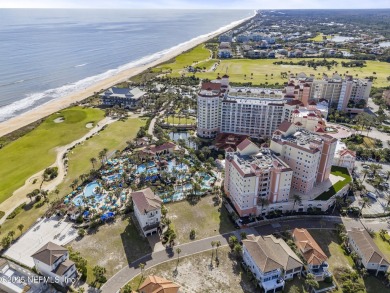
{"x":93,"y":162}
{"x":81,"y":232}
{"x":294,"y":289}
{"x":11,"y":234}
{"x":212,"y":250}
{"x":127,"y":288}
{"x":243,"y":235}
{"x":192,"y":234}
{"x":218,"y":244}
{"x":263,"y":202}
{"x":98,"y":273}
{"x":237,"y":249}
{"x":232,"y":241}
{"x":365,"y":203}
{"x":20,"y":228}
{"x":297,"y":200}
{"x":178,"y":251}
{"x":142,"y":268}
{"x":311,"y":282}
{"x":338,"y":202}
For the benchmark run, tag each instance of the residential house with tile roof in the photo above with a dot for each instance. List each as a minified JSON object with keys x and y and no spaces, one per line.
{"x":155,"y":284}
{"x":314,"y":256}
{"x":52,"y":261}
{"x":370,"y":256}
{"x":271,"y":261}
{"x":147,"y":210}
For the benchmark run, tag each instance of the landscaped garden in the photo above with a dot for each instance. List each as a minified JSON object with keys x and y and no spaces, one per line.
{"x":178,"y":119}
{"x":336,"y":171}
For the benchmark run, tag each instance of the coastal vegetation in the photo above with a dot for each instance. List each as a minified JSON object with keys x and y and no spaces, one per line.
{"x":35,"y":151}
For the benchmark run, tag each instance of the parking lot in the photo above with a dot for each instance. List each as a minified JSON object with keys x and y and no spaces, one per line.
{"x":379,"y":205}
{"x":52,"y":229}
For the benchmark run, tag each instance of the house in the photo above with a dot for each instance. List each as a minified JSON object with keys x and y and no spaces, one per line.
{"x":52,"y":261}
{"x":312,"y":253}
{"x":155,"y":151}
{"x":225,"y":53}
{"x":154,"y":284}
{"x":142,"y":141}
{"x":147,"y":210}
{"x":368,"y":252}
{"x":271,"y":261}
{"x":344,"y":157}
{"x":124,"y":97}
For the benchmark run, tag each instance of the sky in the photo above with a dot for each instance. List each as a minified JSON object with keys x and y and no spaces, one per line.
{"x":197,"y":4}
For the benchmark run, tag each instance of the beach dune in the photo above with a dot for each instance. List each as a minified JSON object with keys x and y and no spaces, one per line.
{"x":53,"y":106}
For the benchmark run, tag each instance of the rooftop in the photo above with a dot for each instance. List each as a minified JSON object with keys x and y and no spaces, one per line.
{"x":154,"y":284}
{"x":309,"y":248}
{"x":145,"y":200}
{"x":49,"y":253}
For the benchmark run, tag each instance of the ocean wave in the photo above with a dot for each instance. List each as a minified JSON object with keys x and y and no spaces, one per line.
{"x":81,"y":65}
{"x":35,"y":99}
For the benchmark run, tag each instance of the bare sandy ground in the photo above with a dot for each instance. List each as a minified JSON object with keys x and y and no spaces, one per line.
{"x":56,"y":105}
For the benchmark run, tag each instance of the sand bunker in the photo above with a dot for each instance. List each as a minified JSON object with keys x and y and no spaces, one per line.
{"x":59,"y":120}
{"x":89,"y":125}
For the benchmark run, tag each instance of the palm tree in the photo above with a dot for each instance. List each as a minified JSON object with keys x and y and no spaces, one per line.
{"x":365,"y":172}
{"x":212,"y":250}
{"x":338,"y":202}
{"x":142,"y":267}
{"x":365,"y":203}
{"x":218,"y":244}
{"x":93,"y":162}
{"x":311,"y":281}
{"x":11,"y":234}
{"x":237,"y":249}
{"x":297,"y":199}
{"x":178,"y":251}
{"x":20,"y":228}
{"x":232,"y":240}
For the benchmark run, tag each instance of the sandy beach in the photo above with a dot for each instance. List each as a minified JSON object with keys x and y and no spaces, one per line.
{"x":58,"y":104}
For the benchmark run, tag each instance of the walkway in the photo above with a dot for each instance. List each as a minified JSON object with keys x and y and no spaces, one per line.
{"x":115,"y":283}
{"x":19,"y":195}
{"x":153,"y":122}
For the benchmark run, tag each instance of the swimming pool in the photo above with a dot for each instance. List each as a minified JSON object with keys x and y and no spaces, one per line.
{"x":89,"y":191}
{"x":113,"y":177}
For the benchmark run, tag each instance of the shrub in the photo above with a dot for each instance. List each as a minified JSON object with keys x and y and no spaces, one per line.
{"x":81,"y":232}
{"x":192,"y":234}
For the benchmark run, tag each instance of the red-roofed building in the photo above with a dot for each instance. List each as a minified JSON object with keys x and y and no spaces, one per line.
{"x":344,"y":157}
{"x":154,"y":284}
{"x":155,"y":151}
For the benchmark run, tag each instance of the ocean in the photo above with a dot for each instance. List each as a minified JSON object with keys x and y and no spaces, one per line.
{"x":46,"y":54}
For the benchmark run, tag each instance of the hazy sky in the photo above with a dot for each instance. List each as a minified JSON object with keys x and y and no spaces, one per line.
{"x":218,"y":4}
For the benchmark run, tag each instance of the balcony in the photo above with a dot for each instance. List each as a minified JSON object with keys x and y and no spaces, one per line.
{"x":272,"y":284}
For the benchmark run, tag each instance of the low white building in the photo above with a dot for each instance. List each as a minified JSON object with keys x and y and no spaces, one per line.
{"x":124,"y":97}
{"x":53,"y":261}
{"x":344,"y":157}
{"x":370,"y":256}
{"x":271,"y":261}
{"x":147,"y":209}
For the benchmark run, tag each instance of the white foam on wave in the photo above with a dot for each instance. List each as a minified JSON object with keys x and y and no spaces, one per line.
{"x":11,"y":110}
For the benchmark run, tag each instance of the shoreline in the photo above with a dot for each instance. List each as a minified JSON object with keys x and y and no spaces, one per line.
{"x":42,"y":111}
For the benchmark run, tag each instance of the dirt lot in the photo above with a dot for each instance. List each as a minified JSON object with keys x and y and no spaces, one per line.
{"x":195,"y":274}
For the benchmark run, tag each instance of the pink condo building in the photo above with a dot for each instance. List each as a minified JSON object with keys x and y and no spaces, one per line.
{"x":309,"y":155}
{"x":251,"y":174}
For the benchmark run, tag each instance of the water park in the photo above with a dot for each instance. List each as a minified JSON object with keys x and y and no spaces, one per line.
{"x":172,"y":175}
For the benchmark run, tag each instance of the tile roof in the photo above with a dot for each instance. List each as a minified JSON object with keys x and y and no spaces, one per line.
{"x":284,"y":126}
{"x":211,"y":86}
{"x":145,"y":200}
{"x":270,"y":253}
{"x":154,"y":284}
{"x":367,"y":246}
{"x":311,"y":251}
{"x":63,"y":267}
{"x":244,"y":144}
{"x":49,"y":253}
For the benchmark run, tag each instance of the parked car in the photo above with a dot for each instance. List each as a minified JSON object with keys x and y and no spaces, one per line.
{"x":365,"y":166}
{"x":372,"y":195}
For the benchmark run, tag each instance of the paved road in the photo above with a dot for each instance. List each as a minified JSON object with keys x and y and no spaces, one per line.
{"x":126,"y":274}
{"x":153,"y":122}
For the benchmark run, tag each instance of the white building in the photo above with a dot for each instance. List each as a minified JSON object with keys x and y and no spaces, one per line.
{"x":271,"y":261}
{"x":250,"y":111}
{"x":53,"y":261}
{"x":124,"y":97}
{"x":147,"y":209}
{"x":344,"y":157}
{"x":252,"y":174}
{"x":370,"y":256}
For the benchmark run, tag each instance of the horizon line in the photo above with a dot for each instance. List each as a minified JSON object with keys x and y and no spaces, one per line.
{"x":161,"y":8}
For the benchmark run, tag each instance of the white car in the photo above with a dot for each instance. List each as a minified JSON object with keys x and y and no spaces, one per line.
{"x":372,"y":195}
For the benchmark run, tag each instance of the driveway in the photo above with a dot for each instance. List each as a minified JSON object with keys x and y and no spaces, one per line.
{"x":59,"y":232}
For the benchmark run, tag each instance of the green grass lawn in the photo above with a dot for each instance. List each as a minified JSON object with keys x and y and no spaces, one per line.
{"x":36,"y":150}
{"x":383,"y":245}
{"x":337,"y":171}
{"x":194,"y":273}
{"x":174,"y":119}
{"x":319,"y":37}
{"x":197,"y":54}
{"x":203,"y":216}
{"x":113,"y":138}
{"x":368,"y":142}
{"x":238,"y":68}
{"x":113,"y":246}
{"x":206,"y":64}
